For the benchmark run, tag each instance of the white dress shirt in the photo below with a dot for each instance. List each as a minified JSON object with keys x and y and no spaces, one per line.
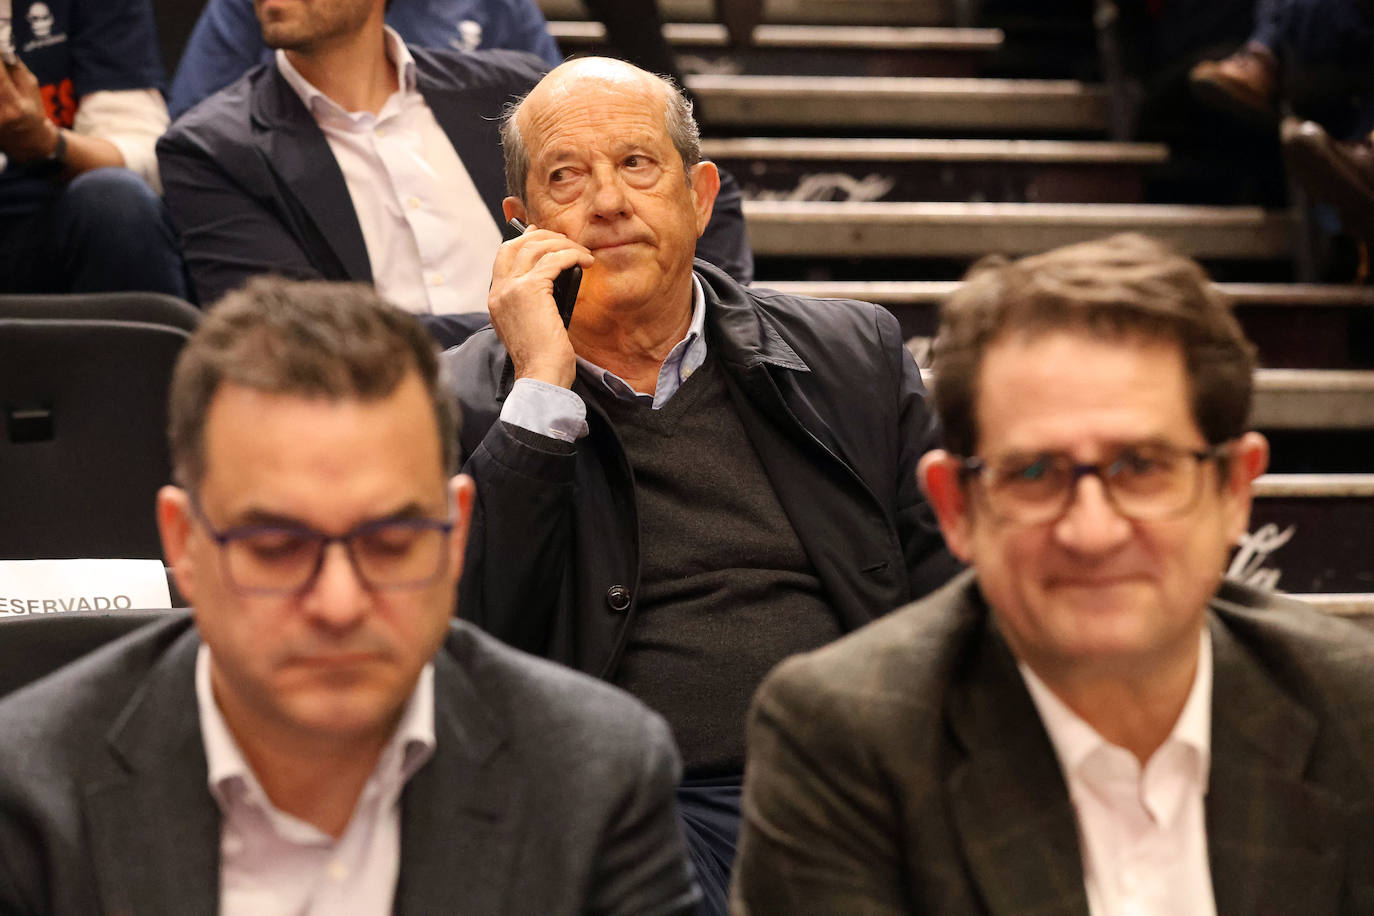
{"x":274,"y":864}
{"x":559,"y":413}
{"x":1142,"y":831}
{"x":430,"y":238}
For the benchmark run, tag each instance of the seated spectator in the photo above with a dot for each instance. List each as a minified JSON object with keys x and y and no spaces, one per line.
{"x":321,"y":736}
{"x":692,"y":480}
{"x":227,"y":42}
{"x":80,"y":110}
{"x":1090,"y":720}
{"x":353,"y":156}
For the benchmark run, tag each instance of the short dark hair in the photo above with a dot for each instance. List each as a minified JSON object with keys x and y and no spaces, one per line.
{"x":678,"y":119}
{"x":325,"y":340}
{"x":1120,"y":287}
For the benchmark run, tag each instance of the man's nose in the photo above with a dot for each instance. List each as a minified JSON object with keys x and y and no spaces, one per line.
{"x":608,"y":194}
{"x":1092,"y":524}
{"x":338,"y":597}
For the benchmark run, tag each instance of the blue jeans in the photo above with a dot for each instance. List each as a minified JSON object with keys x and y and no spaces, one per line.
{"x":106,"y":231}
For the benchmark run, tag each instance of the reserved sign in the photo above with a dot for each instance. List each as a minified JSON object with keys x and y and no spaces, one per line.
{"x":60,"y":586}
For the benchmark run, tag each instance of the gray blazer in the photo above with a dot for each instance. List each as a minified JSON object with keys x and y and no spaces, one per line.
{"x":547,"y":792}
{"x":904,"y":769}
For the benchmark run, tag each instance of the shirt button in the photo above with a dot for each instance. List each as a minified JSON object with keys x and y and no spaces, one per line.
{"x":436,"y":279}
{"x":413,"y":203}
{"x":618,"y":598}
{"x":338,"y":871}
{"x":381,"y":131}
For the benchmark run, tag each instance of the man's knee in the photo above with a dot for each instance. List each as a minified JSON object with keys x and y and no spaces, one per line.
{"x":112,"y":232}
{"x":113,"y":200}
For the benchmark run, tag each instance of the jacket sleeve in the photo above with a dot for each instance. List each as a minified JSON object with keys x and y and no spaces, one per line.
{"x":519,"y":545}
{"x":929,"y":563}
{"x":818,"y":832}
{"x":226,"y":235}
{"x":642,"y":866}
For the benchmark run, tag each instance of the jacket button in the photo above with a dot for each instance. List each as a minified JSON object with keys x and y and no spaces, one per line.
{"x":618,"y":598}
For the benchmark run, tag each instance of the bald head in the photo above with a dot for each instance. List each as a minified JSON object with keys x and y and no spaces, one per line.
{"x":579,"y":82}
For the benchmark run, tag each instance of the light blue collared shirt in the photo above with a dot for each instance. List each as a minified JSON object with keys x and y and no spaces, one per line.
{"x":560,"y":413}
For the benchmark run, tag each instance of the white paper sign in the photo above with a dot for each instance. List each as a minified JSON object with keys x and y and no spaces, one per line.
{"x":59,"y":586}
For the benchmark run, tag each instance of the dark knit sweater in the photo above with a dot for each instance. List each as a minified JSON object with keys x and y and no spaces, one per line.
{"x":726,"y":589}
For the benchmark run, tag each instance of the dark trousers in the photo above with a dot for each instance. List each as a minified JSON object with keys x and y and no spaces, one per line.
{"x":709,"y":809}
{"x":106,"y":231}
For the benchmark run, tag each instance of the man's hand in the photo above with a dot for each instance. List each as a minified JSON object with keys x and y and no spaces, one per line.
{"x":26,"y":134}
{"x":522,"y":308}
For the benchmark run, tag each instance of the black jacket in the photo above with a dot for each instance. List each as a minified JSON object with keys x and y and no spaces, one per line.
{"x":836,"y":410}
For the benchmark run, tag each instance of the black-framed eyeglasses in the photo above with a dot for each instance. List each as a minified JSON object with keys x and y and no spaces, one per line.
{"x":386,"y":555}
{"x":1143,"y":481}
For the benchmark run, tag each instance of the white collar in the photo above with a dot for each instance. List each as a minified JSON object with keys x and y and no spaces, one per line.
{"x":317,"y":103}
{"x":228,"y":771}
{"x":1074,"y":739}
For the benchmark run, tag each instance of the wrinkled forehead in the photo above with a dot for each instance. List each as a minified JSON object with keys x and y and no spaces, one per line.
{"x":591,"y":87}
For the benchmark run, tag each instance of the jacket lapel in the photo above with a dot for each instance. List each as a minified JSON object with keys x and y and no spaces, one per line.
{"x":154,"y":827}
{"x":458,"y":817}
{"x":863,"y":571}
{"x":1010,"y":805}
{"x":1275,"y":841}
{"x":309,"y":179}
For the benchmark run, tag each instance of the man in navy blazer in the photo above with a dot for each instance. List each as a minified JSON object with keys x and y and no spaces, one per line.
{"x":322,"y":736}
{"x":297,"y":167}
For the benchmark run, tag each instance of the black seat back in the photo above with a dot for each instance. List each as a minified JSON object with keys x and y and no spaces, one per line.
{"x":35,"y":645}
{"x":83,"y":408}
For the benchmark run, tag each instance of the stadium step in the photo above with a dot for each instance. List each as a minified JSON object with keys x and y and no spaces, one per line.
{"x":970,"y":230}
{"x":1309,"y":533}
{"x":869,"y":103}
{"x":819,"y":12}
{"x":1295,"y":326}
{"x":1059,"y":171}
{"x":808,"y":49}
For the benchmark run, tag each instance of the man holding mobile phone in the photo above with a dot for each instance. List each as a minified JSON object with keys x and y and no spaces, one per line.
{"x":693,"y":479}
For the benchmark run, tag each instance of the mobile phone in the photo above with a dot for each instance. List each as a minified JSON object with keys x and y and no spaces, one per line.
{"x":565,"y":285}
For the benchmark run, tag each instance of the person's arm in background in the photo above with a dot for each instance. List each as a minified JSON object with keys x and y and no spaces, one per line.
{"x":529,"y":32}
{"x":225,"y":43}
{"x":111,"y":101}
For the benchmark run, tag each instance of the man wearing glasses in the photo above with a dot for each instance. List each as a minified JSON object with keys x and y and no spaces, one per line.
{"x":1089,"y":721}
{"x":322,"y":737}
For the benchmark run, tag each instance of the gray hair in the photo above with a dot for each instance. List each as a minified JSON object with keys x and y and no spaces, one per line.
{"x":677,"y":117}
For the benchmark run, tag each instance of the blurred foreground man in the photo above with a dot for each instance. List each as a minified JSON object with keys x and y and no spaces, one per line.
{"x":694,"y":479}
{"x":1090,"y":721}
{"x":322,"y":738}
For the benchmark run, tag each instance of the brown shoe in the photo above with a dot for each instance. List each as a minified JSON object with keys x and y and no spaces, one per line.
{"x":1340,"y":173}
{"x":1243,"y":84}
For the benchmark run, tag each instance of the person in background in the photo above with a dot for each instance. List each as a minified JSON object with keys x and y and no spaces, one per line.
{"x":80,"y":109}
{"x":1090,"y":720}
{"x":227,"y":40}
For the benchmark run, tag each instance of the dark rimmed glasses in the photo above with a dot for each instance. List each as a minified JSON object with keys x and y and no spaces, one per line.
{"x":386,"y":555}
{"x":1144,"y":481}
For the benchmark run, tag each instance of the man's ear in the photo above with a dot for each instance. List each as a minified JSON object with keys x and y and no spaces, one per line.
{"x":461,"y":492}
{"x":705,"y":187}
{"x":514,"y":206}
{"x":941,"y":480}
{"x":174,"y":526}
{"x":1249,"y":459}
